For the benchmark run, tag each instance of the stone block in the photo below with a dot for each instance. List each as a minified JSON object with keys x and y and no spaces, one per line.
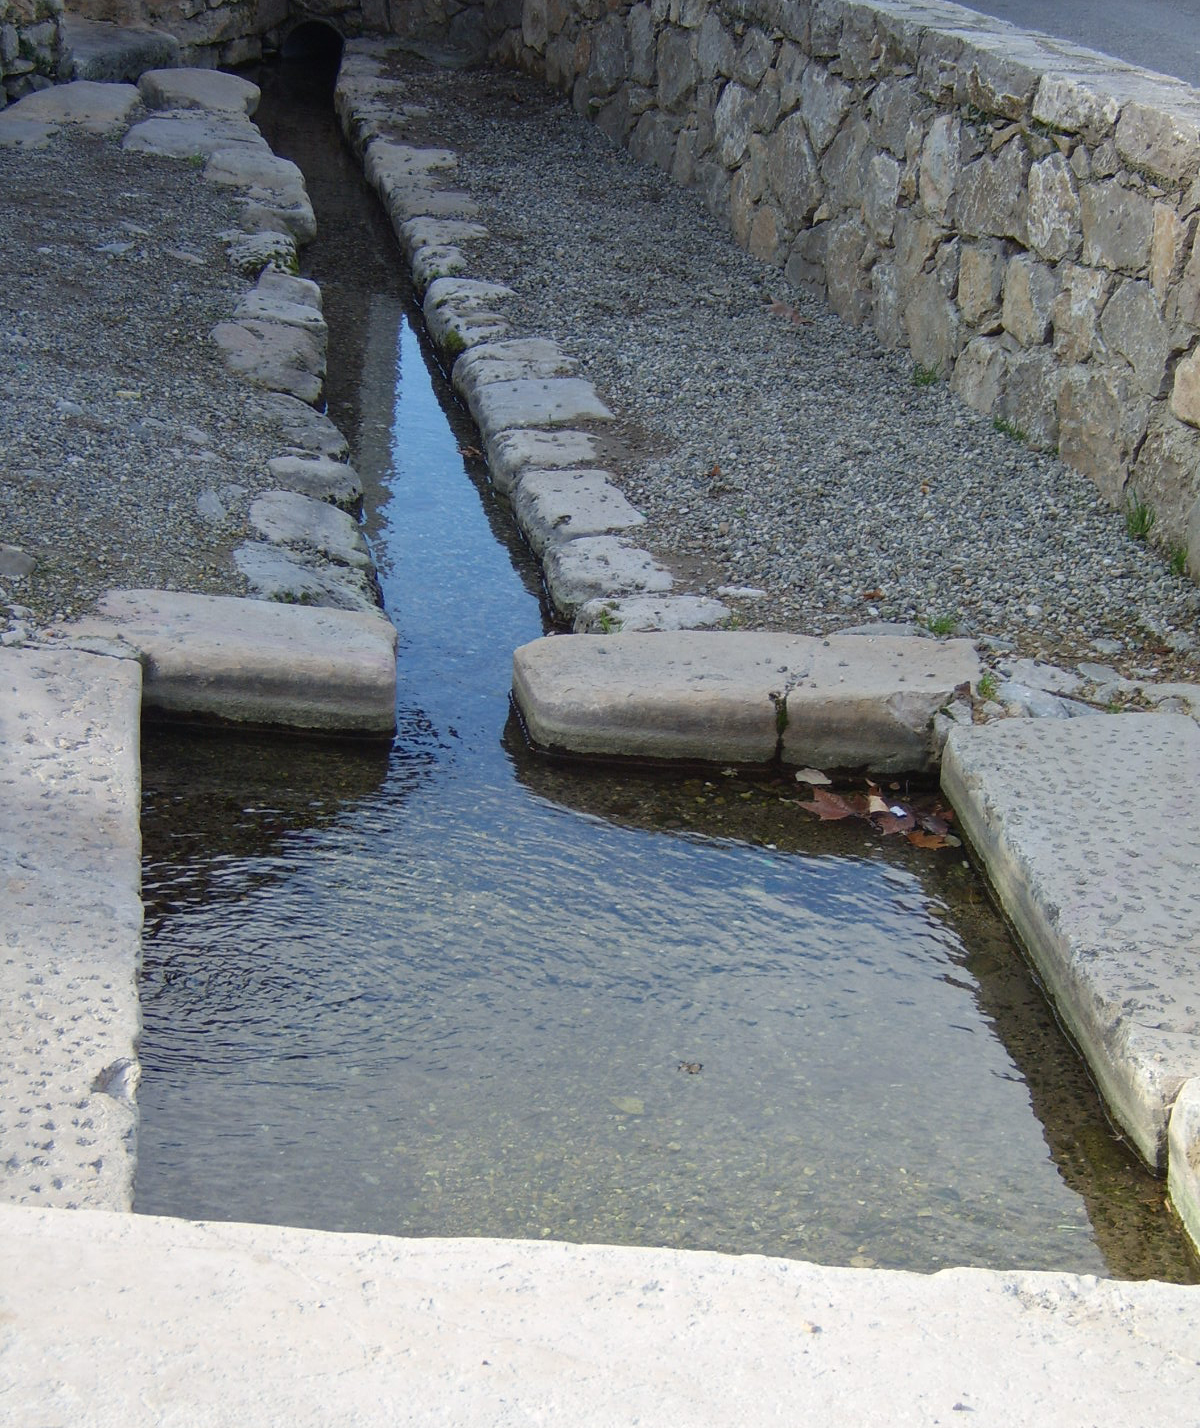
{"x":1029,"y":399}
{"x":979,"y":374}
{"x":642,"y":50}
{"x":733,"y":123}
{"x":1132,"y":325}
{"x":1185,"y":389}
{"x":847,"y":282}
{"x":714,"y":48}
{"x":893,"y":108}
{"x":291,"y":518}
{"x":198,"y":89}
{"x":1162,"y":139}
{"x":511,"y":454}
{"x":678,"y":70}
{"x":275,"y":355}
{"x":535,"y":401}
{"x":95,"y":107}
{"x":1183,"y":1158}
{"x":594,"y":567}
{"x":510,"y":360}
{"x":1076,"y":103}
{"x":642,"y":613}
{"x":981,"y":282}
{"x":1166,"y":249}
{"x":320,"y":478}
{"x":1167,"y":476}
{"x":887,"y":309}
{"x":556,"y":506}
{"x":1053,"y":216}
{"x":940,"y":166}
{"x":934,"y":328}
{"x":1030,"y":288}
{"x":1101,"y":419}
{"x":881,"y":187}
{"x":1118,"y":224}
{"x":461,"y":313}
{"x":844,"y":164}
{"x":993,"y":194}
{"x":792,"y":171}
{"x":293,"y":576}
{"x":1076,"y":312}
{"x":824,"y":102}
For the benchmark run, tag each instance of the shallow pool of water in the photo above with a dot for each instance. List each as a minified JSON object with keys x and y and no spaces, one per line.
{"x":451,"y":988}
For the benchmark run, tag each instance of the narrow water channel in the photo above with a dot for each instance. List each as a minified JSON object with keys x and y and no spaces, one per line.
{"x":448,"y":988}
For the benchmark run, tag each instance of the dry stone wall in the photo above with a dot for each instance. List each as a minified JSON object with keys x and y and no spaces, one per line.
{"x":1020,"y":214}
{"x":31,"y":45}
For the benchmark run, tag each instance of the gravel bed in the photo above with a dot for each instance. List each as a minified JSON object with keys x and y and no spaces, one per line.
{"x":116,"y":413}
{"x":784,"y":450}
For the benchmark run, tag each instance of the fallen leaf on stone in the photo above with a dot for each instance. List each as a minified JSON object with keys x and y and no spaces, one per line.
{"x":875,"y":804}
{"x":829,"y":807}
{"x":937,"y":820}
{"x":875,"y":594}
{"x":812,"y":776}
{"x":895,"y":822}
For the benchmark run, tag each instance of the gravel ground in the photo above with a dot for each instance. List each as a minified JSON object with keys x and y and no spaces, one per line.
{"x":116,"y":413}
{"x":785,"y":451}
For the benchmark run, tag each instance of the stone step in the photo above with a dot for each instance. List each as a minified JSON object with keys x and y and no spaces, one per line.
{"x":1090,"y":833}
{"x":252,"y":661}
{"x":732,"y":697}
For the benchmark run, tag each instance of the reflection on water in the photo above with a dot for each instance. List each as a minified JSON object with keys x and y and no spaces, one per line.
{"x":471,"y":992}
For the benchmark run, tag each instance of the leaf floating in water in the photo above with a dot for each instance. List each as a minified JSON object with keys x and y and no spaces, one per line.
{"x":693,"y":1068}
{"x":831,"y":806}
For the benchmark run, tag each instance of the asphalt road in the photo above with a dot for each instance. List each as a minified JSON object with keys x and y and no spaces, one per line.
{"x":1163,"y":35}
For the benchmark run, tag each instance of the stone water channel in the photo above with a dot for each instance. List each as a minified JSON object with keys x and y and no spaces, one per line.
{"x":450,"y":988}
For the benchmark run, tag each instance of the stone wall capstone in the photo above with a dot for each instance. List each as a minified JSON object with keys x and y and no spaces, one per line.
{"x":31,"y":46}
{"x":1021,"y":214}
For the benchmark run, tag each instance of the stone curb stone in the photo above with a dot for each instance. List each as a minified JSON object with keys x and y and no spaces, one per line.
{"x":461,"y":306}
{"x":643,"y":613}
{"x":98,"y":108}
{"x":1089,"y":833}
{"x":145,"y":1320}
{"x":198,"y":89}
{"x":289,"y":518}
{"x":253,"y":661}
{"x":300,"y":427}
{"x":320,"y":478}
{"x":722,"y":696}
{"x":70,"y":925}
{"x":506,"y":361}
{"x":303,"y":577}
{"x":1183,"y":1158}
{"x":556,"y":506}
{"x":595,"y":566}
{"x":191,"y":133}
{"x":530,"y":401}
{"x":510,"y":454}
{"x":274,"y":355}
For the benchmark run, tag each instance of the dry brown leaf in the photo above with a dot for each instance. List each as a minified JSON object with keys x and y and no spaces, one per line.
{"x":829,"y":807}
{"x":920,"y":839}
{"x":895,"y":823}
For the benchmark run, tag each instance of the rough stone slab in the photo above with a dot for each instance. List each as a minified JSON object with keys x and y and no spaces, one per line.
{"x":320,"y":478}
{"x":190,"y":134}
{"x":300,"y":427}
{"x":1090,"y":834}
{"x":459,"y":312}
{"x":595,"y":566}
{"x":533,"y":401}
{"x":418,"y":233}
{"x":517,"y":357}
{"x":275,"y":355}
{"x":386,"y":162}
{"x":267,"y":307}
{"x":110,"y":53}
{"x":289,"y":518}
{"x":198,"y":89}
{"x":303,"y":577}
{"x":132,"y":1321}
{"x":406,"y":198}
{"x":430,"y":263}
{"x":253,"y":661}
{"x":252,"y":253}
{"x":70,"y":926}
{"x":737,"y":697}
{"x":98,"y":108}
{"x":512,"y":453}
{"x":1183,"y":1158}
{"x":556,"y":506}
{"x":649,"y":612}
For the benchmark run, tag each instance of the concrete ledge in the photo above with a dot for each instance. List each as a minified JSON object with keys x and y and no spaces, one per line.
{"x":252,"y":661}
{"x":127,"y":1322}
{"x":741,"y":698}
{"x":1089,"y":831}
{"x":70,"y":926}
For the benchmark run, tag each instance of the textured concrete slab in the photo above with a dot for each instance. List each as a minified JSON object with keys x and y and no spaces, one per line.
{"x":532,"y":401}
{"x":98,"y":108}
{"x":289,"y":518}
{"x":253,"y":661}
{"x":70,"y":926}
{"x":511,"y":453}
{"x":556,"y":506}
{"x":649,"y":612}
{"x":123,"y":1321}
{"x":1090,"y":834}
{"x":593,"y":567}
{"x":730,"y":697}
{"x":198,"y":89}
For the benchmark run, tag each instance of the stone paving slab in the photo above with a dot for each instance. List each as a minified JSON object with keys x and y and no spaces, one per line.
{"x":70,"y":926}
{"x":122,"y":1321}
{"x":594,"y":567}
{"x":556,"y":506}
{"x":720,"y":696}
{"x":198,"y":89}
{"x":1090,"y":832}
{"x":511,"y":453}
{"x":627,"y":614}
{"x":254,"y":661}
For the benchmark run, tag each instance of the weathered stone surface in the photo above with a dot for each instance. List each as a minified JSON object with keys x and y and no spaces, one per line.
{"x":275,"y":355}
{"x":643,"y":613}
{"x":881,"y":187}
{"x":459,"y":312}
{"x":1030,"y":288}
{"x":320,"y":478}
{"x":70,"y":925}
{"x":556,"y":506}
{"x":511,"y":454}
{"x":270,"y":304}
{"x":824,"y":102}
{"x":843,"y":163}
{"x":303,"y":577}
{"x":792,"y":170}
{"x":198,"y":89}
{"x":596,"y":566}
{"x":1166,"y":249}
{"x":932,"y":321}
{"x":111,"y":54}
{"x":732,"y":123}
{"x":1167,"y":476}
{"x":1076,"y":103}
{"x":1104,"y":907}
{"x":416,"y":234}
{"x":289,"y":518}
{"x":1132,"y":325}
{"x":714,"y":48}
{"x":507,"y":361}
{"x":1161,"y":138}
{"x":1118,"y":224}
{"x":1185,"y":390}
{"x":678,"y":71}
{"x":250,"y":253}
{"x":1029,"y":399}
{"x":192,"y":134}
{"x":848,"y":287}
{"x":301,"y":428}
{"x":979,"y":373}
{"x":722,"y":1340}
{"x":254,"y":661}
{"x":1183,"y":1158}
{"x":534,"y":401}
{"x":941,"y":165}
{"x":980,"y":282}
{"x":1076,"y":311}
{"x":1053,"y":218}
{"x":98,"y":108}
{"x":993,"y":194}
{"x":741,"y":697}
{"x":1101,"y":419}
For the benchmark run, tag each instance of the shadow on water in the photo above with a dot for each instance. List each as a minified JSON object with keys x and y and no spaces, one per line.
{"x":476,"y":992}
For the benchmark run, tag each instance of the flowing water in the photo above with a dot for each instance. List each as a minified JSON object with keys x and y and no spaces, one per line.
{"x":450,"y":988}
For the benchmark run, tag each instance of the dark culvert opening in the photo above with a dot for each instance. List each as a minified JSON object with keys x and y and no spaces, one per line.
{"x":314,"y":43}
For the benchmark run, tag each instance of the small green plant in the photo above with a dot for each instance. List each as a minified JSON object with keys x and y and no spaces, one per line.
{"x":941,"y":624}
{"x":606,"y":620}
{"x":195,"y":161}
{"x":925,"y":376}
{"x":1178,"y":561}
{"x":1010,"y":428}
{"x":987,"y":688}
{"x":1139,"y":518}
{"x":452,"y":343}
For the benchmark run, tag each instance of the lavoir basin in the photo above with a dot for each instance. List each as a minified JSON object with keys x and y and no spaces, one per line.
{"x":450,"y":988}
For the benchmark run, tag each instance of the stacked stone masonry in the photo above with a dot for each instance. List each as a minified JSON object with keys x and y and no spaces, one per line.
{"x":31,"y":46}
{"x":1019,"y":213}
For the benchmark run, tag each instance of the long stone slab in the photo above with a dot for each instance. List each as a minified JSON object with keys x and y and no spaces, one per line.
{"x":70,"y":926}
{"x":1090,"y":833}
{"x":741,"y":698}
{"x":123,"y":1321}
{"x":253,"y":661}
{"x":556,"y":506}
